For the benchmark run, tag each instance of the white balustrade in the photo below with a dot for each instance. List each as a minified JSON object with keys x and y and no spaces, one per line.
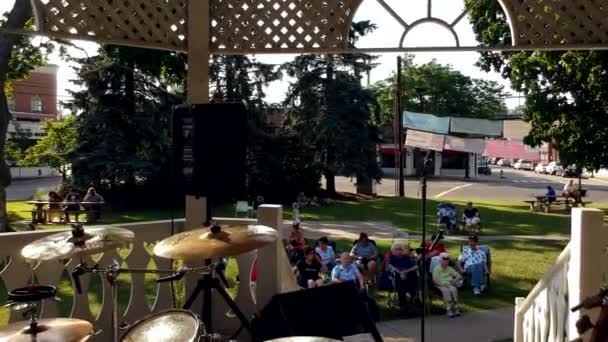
{"x":17,"y":273}
{"x":544,"y":315}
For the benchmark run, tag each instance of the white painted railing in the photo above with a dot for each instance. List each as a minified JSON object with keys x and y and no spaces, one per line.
{"x":544,"y":315}
{"x":17,"y":273}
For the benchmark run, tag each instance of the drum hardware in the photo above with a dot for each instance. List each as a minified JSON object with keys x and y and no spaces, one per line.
{"x":215,"y":241}
{"x":112,"y":273}
{"x":26,"y":301}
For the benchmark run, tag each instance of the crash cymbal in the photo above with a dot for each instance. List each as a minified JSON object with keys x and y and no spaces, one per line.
{"x":200,"y":244}
{"x":66,"y":245}
{"x":48,"y":330}
{"x":303,"y":339}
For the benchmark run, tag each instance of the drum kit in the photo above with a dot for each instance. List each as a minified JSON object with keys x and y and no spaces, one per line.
{"x":175,"y":325}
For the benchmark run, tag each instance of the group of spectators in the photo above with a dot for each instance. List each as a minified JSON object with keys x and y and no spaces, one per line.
{"x":448,"y":217}
{"x":71,"y":204}
{"x":569,"y":191}
{"x":319,"y":266}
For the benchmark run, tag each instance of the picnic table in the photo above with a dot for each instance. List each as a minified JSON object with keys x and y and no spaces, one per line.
{"x":540,"y":202}
{"x":39,"y":213}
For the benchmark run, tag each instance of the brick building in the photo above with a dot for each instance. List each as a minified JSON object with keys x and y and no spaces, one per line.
{"x":34,"y":101}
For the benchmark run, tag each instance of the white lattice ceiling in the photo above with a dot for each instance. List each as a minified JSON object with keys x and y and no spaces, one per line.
{"x":287,"y":26}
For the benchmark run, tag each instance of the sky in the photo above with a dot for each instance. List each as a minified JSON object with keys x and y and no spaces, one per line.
{"x":388,"y":34}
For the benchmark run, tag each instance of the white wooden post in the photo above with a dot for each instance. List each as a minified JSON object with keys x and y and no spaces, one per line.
{"x":518,"y":333}
{"x":198,"y":92}
{"x":275,"y":274}
{"x":409,"y":162}
{"x":589,"y":239}
{"x":438,"y":162}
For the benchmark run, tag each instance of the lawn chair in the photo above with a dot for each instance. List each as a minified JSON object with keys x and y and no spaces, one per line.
{"x":447,"y":217}
{"x":464,"y":225}
{"x":242,"y":207}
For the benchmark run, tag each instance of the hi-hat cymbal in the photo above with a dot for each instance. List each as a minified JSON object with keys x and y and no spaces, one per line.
{"x":48,"y":330}
{"x":200,"y":244}
{"x":303,"y":339}
{"x":65,"y":246}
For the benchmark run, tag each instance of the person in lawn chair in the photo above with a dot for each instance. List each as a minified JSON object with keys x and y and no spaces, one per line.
{"x":446,"y":214}
{"x":474,"y":261}
{"x":403,"y":268}
{"x":447,"y":280}
{"x":471,"y":218}
{"x":366,"y":255}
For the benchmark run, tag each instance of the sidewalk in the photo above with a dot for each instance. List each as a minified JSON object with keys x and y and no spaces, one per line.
{"x":387,"y":231}
{"x":483,"y":326}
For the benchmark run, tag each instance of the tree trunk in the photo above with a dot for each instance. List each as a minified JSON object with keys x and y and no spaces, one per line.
{"x":330,"y":182}
{"x":17,"y":18}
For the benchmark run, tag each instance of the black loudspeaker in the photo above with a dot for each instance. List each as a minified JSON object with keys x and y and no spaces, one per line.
{"x":332,"y":311}
{"x":210,"y":143}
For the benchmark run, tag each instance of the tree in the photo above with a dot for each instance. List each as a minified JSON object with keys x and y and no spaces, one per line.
{"x":123,"y":123}
{"x":54,"y":149}
{"x":566,"y":91}
{"x":439,"y":89}
{"x":18,"y":56}
{"x":333,"y":113}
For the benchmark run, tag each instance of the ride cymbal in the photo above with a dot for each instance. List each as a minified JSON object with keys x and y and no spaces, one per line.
{"x":200,"y":244}
{"x":69,"y":244}
{"x":48,"y":330}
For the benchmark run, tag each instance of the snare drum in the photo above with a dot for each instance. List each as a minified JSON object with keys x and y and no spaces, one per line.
{"x":167,"y":326}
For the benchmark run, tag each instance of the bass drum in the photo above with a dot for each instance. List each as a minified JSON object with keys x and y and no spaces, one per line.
{"x":167,"y":326}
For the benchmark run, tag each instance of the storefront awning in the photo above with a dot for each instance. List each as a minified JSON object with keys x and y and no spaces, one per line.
{"x":511,"y":150}
{"x":464,"y":145}
{"x":425,"y":140}
{"x":426,"y":122}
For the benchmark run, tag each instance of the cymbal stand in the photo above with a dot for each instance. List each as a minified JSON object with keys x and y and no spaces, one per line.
{"x":205,"y":285}
{"x":112,"y":273}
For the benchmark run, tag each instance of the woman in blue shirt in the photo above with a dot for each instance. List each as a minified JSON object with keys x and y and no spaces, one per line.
{"x":404,"y":268}
{"x":346,"y":271}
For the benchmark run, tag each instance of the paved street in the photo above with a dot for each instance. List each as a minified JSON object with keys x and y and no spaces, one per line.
{"x":24,"y":189}
{"x":517,"y":185}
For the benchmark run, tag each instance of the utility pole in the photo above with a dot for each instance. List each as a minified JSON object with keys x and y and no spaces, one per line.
{"x":399,"y":109}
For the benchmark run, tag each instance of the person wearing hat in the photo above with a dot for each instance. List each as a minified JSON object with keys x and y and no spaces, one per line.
{"x":474,"y":261}
{"x":447,"y":280}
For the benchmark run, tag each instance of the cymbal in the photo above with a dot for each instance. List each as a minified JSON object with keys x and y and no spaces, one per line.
{"x":65,"y":246}
{"x":48,"y":330}
{"x":200,"y":244}
{"x":303,"y":339}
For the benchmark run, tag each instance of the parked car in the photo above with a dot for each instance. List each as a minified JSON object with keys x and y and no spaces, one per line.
{"x":523,"y":164}
{"x":540,"y":168}
{"x":483,"y":168}
{"x":503,"y":162}
{"x":554,"y":168}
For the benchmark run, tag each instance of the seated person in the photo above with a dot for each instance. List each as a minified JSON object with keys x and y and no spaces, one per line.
{"x":94,"y":197}
{"x":447,"y":280}
{"x":326,"y":254}
{"x":308,"y":269}
{"x":437,"y":249}
{"x":54,"y":206}
{"x":447,"y":215}
{"x":297,"y":243}
{"x":474,"y":261}
{"x":73,"y":199}
{"x":403,"y":267}
{"x":550,"y":196}
{"x":347,"y":271}
{"x":365,"y":253}
{"x":471,"y":218}
{"x":570,"y":191}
